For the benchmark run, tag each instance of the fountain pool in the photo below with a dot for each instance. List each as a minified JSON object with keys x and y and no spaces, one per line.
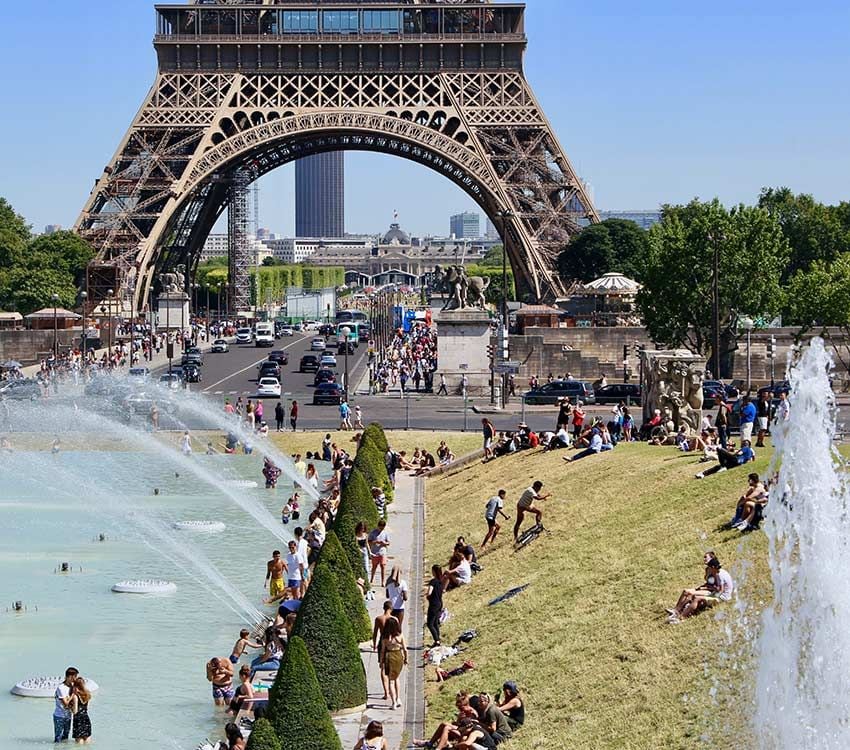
{"x":147,"y":653}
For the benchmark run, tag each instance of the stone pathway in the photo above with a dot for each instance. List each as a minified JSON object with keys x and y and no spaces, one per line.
{"x":405,"y":522}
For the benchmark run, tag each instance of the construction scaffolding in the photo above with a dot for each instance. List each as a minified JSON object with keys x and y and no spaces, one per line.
{"x":238,"y":243}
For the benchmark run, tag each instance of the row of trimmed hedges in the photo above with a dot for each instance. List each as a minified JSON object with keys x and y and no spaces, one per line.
{"x":370,"y":459}
{"x":349,"y":592}
{"x":355,"y":505}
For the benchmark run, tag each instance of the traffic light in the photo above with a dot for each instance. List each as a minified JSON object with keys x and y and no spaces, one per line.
{"x":771,"y":348}
{"x":490,"y":353}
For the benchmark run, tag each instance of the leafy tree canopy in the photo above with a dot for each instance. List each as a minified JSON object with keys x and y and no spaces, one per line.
{"x":820,"y":296}
{"x":493,"y":257}
{"x":13,"y":222}
{"x":26,"y":290}
{"x":675,"y":300}
{"x":614,"y":245}
{"x":64,"y":251}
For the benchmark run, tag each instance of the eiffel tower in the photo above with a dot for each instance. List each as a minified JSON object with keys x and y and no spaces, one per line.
{"x":245,"y":87}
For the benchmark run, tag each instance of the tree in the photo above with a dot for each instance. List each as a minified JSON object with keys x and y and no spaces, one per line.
{"x":331,"y":643}
{"x":493,"y":258}
{"x":675,"y":300}
{"x":13,"y":222}
{"x":263,"y":736}
{"x":814,"y":231}
{"x":270,"y":260}
{"x":297,"y":709}
{"x":26,"y":290}
{"x":370,"y":461}
{"x":334,"y":555}
{"x":374,"y":434}
{"x":63,"y":251}
{"x":355,"y":505}
{"x":613,"y":245}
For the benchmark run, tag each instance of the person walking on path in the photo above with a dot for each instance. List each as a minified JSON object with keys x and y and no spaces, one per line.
{"x":393,"y":659}
{"x":378,"y":641}
{"x":293,"y":416}
{"x":62,"y":709}
{"x":80,"y":707}
{"x":279,"y":415}
{"x":186,"y":444}
{"x":443,"y":390}
{"x":434,"y":595}
{"x":397,"y":593}
{"x":379,"y":540}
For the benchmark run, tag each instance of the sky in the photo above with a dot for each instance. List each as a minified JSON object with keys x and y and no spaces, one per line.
{"x":654,"y":102}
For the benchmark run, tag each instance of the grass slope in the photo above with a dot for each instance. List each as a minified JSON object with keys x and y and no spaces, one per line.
{"x":461,"y":443}
{"x":588,"y":642}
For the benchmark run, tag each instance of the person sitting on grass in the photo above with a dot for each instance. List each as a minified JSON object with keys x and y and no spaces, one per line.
{"x":493,"y":720}
{"x":458,"y":572}
{"x":426,"y":463}
{"x":473,"y":736}
{"x":560,"y":440}
{"x":718,"y":587}
{"x":750,"y":505}
{"x":513,"y":706}
{"x":597,"y":445}
{"x":444,"y":453}
{"x":447,"y":732}
{"x":730,"y":459}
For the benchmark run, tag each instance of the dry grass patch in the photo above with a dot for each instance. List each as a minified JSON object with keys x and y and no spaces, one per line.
{"x":588,"y":642}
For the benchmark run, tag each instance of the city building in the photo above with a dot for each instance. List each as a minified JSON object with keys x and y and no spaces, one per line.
{"x":465,"y":226}
{"x":644,"y":219}
{"x":490,"y":232}
{"x":320,"y":195}
{"x":300,"y":249}
{"x":216,"y":246}
{"x":52,"y":228}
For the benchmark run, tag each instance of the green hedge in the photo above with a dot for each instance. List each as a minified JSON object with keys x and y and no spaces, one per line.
{"x":263,"y":736}
{"x":297,"y":709}
{"x":374,"y":435}
{"x":331,"y":643}
{"x":355,"y":505}
{"x":334,"y":555}
{"x":370,"y":460}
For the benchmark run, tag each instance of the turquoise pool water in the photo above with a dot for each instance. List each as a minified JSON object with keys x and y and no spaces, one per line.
{"x":147,"y":653}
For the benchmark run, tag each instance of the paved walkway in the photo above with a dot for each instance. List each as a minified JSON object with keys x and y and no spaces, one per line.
{"x":405,"y":523}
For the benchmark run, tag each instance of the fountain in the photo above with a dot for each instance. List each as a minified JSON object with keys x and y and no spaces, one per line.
{"x":803,"y":678}
{"x":45,"y":687}
{"x":145,"y":586}
{"x":204,"y":527}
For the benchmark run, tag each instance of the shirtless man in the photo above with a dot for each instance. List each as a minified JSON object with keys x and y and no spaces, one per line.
{"x":274,"y":575}
{"x":755,"y":495}
{"x":243,"y":643}
{"x":220,"y":674}
{"x":378,"y":635}
{"x":526,"y":505}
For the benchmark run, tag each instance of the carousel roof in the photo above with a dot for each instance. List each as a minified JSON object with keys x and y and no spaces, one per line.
{"x":613,"y":283}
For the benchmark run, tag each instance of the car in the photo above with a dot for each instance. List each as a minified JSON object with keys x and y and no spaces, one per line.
{"x":194,"y":356}
{"x":613,"y":393}
{"x":317,"y":345}
{"x":268,"y":369}
{"x":328,"y":393}
{"x":170,"y":380}
{"x":552,"y":393}
{"x":781,"y":387}
{"x":341,"y":347}
{"x":279,"y":356}
{"x":324,"y":376}
{"x":191,"y":373}
{"x":309,"y":363}
{"x":268,"y":388}
{"x":142,"y":402}
{"x":20,"y":390}
{"x":244,"y":336}
{"x":220,"y":346}
{"x":139,"y":373}
{"x":711,"y":389}
{"x":328,"y":360}
{"x":327,"y":329}
{"x":287,"y":330}
{"x":589,"y":396}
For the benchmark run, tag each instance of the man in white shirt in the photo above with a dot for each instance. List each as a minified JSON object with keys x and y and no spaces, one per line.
{"x":62,"y":710}
{"x":397,"y":593}
{"x":294,"y":570}
{"x":303,"y":553}
{"x":492,"y":511}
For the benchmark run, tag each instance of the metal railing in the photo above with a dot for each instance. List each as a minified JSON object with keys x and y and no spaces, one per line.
{"x":334,"y":37}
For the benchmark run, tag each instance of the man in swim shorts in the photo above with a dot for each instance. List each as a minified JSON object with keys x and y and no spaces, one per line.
{"x":274,"y":575}
{"x":220,"y":674}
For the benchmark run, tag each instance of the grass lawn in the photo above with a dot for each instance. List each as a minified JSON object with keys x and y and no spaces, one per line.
{"x":588,"y":642}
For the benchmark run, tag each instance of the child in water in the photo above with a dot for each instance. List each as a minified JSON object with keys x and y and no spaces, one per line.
{"x":293,"y":502}
{"x":286,"y":513}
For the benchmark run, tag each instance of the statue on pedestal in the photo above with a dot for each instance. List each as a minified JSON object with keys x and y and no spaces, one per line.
{"x":174,"y":282}
{"x":463,"y":291}
{"x":673,"y":384}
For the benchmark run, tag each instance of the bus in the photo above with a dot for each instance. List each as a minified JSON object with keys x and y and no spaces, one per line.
{"x":351,"y":316}
{"x":353,"y":335}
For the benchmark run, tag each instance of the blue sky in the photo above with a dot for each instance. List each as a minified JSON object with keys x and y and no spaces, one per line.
{"x":654,"y":102}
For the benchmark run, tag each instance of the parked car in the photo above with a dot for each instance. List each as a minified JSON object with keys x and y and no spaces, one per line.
{"x":324,"y":376}
{"x":191,"y":373}
{"x":244,"y":336}
{"x":317,"y":345}
{"x":220,"y":346}
{"x":712,"y":388}
{"x":552,"y":393}
{"x":309,"y":363}
{"x":20,"y":390}
{"x":589,"y":396}
{"x":170,"y":380}
{"x":613,"y":393}
{"x":100,"y":385}
{"x":279,"y":356}
{"x":328,"y":360}
{"x":268,"y":388}
{"x":328,"y":393}
{"x":268,"y":369}
{"x":287,"y":331}
{"x":140,"y":374}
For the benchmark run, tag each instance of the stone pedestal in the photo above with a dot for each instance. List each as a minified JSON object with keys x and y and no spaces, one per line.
{"x":672,"y":382}
{"x":462,"y":340}
{"x":172,"y":310}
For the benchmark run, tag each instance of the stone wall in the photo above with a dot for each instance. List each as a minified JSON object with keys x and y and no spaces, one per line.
{"x":28,"y":347}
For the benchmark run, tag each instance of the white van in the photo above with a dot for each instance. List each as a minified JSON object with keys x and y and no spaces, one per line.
{"x":244,"y":336}
{"x":264,"y":334}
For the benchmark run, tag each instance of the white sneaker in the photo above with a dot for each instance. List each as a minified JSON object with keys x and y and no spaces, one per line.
{"x":722,"y":469}
{"x":699,"y":476}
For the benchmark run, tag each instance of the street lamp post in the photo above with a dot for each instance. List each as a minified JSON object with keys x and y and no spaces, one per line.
{"x":748,"y":325}
{"x":109,"y":295}
{"x":345,"y":331}
{"x":506,"y":216}
{"x":84,"y":298}
{"x":55,"y":298}
{"x":208,"y":313}
{"x":715,"y":239}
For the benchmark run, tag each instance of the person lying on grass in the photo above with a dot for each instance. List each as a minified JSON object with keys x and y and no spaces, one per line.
{"x":730,"y":459}
{"x":750,"y":505}
{"x":718,"y":587}
{"x":597,"y":445}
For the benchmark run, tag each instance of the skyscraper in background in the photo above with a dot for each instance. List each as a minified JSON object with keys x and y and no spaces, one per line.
{"x":320,"y":195}
{"x":466,"y":225}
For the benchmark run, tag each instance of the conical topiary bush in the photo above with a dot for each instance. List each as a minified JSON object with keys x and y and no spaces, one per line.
{"x":333,"y":647}
{"x":355,"y":505}
{"x":374,"y":435}
{"x":334,"y":556}
{"x":263,"y":737}
{"x":297,"y":709}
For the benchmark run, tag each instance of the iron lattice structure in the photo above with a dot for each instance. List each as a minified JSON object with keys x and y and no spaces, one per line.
{"x":239,"y":250}
{"x":244,"y":88}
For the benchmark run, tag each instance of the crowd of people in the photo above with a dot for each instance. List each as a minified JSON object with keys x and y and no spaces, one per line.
{"x":407,"y":363}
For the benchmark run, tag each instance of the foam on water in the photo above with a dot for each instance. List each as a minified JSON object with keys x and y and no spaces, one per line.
{"x":803,"y":678}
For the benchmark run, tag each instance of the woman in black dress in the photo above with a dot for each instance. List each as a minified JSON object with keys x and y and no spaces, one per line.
{"x":435,"y":603}
{"x":80,"y":708}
